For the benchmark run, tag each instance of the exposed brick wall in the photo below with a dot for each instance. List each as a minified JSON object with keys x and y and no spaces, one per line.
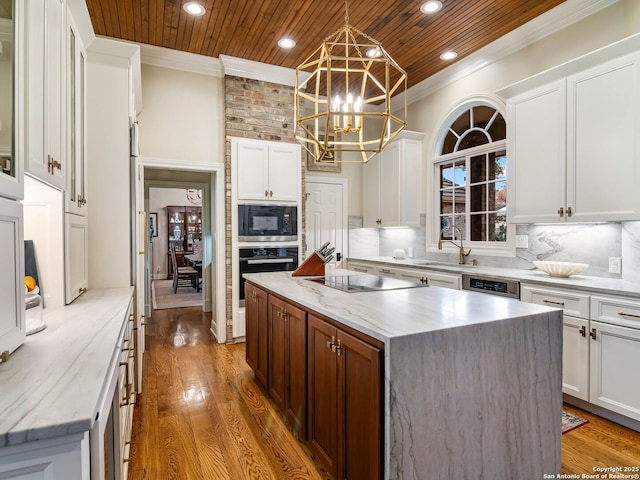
{"x":258,"y":110}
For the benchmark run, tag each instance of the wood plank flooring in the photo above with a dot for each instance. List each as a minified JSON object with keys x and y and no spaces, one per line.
{"x":202,"y":416}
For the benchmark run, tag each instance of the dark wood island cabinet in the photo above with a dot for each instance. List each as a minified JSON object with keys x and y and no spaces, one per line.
{"x":326,"y":382}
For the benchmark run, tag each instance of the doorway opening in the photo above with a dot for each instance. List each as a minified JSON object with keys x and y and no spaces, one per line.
{"x":175,"y":247}
{"x":197,"y":196}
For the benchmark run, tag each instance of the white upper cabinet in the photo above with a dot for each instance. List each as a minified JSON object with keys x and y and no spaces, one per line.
{"x":76,"y":257}
{"x":603,"y":140}
{"x":536,"y":142}
{"x":392,"y":184}
{"x":267,"y":171}
{"x":12,"y":105}
{"x":574,"y":145}
{"x":76,"y":114}
{"x":45,"y":78}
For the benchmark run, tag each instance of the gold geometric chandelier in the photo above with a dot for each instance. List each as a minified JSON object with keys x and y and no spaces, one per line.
{"x":343,"y":97}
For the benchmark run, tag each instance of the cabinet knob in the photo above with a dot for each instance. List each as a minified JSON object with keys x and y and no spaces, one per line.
{"x":593,"y":333}
{"x":331,"y":342}
{"x":271,"y":193}
{"x":569,"y":211}
{"x":4,"y":356}
{"x":583,"y":331}
{"x":266,"y":193}
{"x":82,"y":290}
{"x":561,"y":212}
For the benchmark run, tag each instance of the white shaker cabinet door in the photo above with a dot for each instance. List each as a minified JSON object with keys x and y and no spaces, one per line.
{"x":76,"y":258}
{"x":575,"y":354}
{"x":536,"y":133}
{"x":44,"y":72}
{"x":253,"y":170}
{"x":603,"y":142}
{"x":284,"y":172}
{"x":12,"y":323}
{"x":615,"y":384}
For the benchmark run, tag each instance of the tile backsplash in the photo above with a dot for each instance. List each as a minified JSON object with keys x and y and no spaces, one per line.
{"x":590,"y":243}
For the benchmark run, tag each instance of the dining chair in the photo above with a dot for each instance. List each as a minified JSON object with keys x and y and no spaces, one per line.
{"x":182,"y":276}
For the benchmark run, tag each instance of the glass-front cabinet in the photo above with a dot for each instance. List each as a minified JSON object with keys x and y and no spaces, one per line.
{"x":184,"y":232}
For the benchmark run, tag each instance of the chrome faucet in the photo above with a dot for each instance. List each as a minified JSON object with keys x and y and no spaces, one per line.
{"x":462,"y":253}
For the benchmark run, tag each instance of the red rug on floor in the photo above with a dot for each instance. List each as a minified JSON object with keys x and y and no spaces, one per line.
{"x":571,"y":421}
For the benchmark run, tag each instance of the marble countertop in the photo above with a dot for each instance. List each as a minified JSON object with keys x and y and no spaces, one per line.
{"x":52,"y":384}
{"x":390,"y":314}
{"x":598,"y":285}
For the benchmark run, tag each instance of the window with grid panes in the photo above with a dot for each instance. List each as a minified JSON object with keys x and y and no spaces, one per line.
{"x":472,"y":178}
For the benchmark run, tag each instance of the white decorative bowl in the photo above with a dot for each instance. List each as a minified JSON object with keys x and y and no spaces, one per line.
{"x":561,"y":269}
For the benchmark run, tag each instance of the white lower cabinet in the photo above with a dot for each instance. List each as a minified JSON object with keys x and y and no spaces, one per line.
{"x":428,"y":277}
{"x":601,"y":340}
{"x":60,"y":458}
{"x":575,"y":351}
{"x":362,"y":267}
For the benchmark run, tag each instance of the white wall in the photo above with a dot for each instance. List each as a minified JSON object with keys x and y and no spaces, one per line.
{"x":182,"y":116}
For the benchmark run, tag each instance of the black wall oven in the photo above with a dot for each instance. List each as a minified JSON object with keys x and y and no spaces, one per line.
{"x":259,"y":260}
{"x":267,"y":223}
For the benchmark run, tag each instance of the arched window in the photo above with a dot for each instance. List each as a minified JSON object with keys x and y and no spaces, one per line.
{"x":470,"y":173}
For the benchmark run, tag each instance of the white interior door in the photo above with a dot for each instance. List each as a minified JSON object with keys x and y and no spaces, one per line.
{"x":326,"y":219}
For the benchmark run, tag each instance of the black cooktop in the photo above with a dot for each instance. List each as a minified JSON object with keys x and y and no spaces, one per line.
{"x":365,"y":283}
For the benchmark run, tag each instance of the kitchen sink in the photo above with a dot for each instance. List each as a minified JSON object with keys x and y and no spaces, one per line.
{"x":435,"y":263}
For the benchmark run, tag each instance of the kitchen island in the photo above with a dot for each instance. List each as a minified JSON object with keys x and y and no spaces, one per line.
{"x":471,"y":383}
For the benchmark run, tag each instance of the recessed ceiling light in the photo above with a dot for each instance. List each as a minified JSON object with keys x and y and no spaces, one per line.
{"x":194,"y":8}
{"x":286,"y":43}
{"x":374,"y":52}
{"x":432,"y":6}
{"x":450,"y":55}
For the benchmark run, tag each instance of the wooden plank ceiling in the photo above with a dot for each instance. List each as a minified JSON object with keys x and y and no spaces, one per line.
{"x":250,"y":29}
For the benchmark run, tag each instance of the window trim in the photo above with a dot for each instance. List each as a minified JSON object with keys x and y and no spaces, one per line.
{"x":498,"y":249}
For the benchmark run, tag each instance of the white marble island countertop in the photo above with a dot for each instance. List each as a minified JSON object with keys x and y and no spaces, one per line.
{"x":52,"y":384}
{"x":395,"y":313}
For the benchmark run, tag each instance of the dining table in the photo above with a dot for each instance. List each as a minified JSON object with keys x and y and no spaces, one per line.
{"x":195,"y":259}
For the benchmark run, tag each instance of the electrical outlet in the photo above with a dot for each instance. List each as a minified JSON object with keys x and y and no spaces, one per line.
{"x":615,"y":264}
{"x":522,"y":241}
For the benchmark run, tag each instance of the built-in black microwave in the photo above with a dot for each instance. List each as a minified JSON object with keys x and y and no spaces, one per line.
{"x":267,"y":223}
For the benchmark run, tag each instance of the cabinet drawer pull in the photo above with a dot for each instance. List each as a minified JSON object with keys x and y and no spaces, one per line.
{"x":331,"y":342}
{"x":336,"y":347}
{"x":553,"y":303}
{"x":266,"y":193}
{"x":593,"y":333}
{"x":628,"y":315}
{"x":583,"y":331}
{"x":270,"y":193}
{"x":569,"y":211}
{"x":385,"y":270}
{"x":561,"y":212}
{"x":364,"y":270}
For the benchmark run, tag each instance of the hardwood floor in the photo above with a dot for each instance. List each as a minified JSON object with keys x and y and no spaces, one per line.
{"x":202,"y":416}
{"x":599,"y":443}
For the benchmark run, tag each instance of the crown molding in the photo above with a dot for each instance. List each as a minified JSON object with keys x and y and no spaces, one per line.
{"x":240,"y":67}
{"x":542,"y":26}
{"x":179,"y":60}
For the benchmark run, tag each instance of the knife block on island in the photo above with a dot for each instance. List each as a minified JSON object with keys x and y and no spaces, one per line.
{"x":311,"y":267}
